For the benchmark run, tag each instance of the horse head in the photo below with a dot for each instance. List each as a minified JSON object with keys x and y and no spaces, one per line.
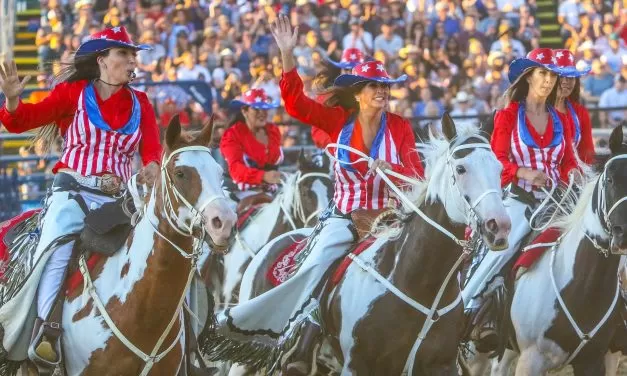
{"x":312,"y":185}
{"x":191,"y":187}
{"x":614,"y":192}
{"x":468,"y":182}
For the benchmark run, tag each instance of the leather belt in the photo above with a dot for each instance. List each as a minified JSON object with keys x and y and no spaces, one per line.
{"x":108,"y":184}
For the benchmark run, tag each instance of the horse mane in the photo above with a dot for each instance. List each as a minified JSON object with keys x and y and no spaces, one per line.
{"x":576,"y":206}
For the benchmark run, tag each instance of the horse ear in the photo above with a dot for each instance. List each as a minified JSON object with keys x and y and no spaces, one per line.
{"x":205,"y":135}
{"x":173,"y":133}
{"x":616,"y":140}
{"x":448,"y":127}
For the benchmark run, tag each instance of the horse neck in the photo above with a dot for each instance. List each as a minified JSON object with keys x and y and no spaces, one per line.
{"x":426,"y":254}
{"x":163,"y":280}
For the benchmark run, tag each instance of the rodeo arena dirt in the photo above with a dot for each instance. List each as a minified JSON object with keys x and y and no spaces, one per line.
{"x":313,"y":187}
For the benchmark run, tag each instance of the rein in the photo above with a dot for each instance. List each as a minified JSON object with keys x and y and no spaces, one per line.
{"x":297,"y":200}
{"x":187,"y":230}
{"x":432,"y":313}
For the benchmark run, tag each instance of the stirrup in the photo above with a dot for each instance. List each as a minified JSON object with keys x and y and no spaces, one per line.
{"x":45,"y":350}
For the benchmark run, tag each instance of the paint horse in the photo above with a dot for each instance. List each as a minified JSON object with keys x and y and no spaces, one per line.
{"x":398,"y":306}
{"x":565,"y":309}
{"x":127,"y":318}
{"x":304,"y":194}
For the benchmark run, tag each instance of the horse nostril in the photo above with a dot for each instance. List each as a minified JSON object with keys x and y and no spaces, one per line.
{"x":492,"y":226}
{"x":216,"y":223}
{"x":618,"y":230}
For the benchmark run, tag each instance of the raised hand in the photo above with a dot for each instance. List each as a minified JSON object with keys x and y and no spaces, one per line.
{"x":283,"y":34}
{"x":10,"y":83}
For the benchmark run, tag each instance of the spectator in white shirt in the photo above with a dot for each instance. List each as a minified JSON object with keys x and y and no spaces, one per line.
{"x":227,"y":66}
{"x":615,"y":96}
{"x":568,"y":13}
{"x":147,"y":60}
{"x":358,"y":37}
{"x":190,"y":70}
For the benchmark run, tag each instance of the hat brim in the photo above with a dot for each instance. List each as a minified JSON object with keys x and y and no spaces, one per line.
{"x":573,"y":72}
{"x":345,"y":80}
{"x":342,"y":64}
{"x":237,"y":104}
{"x":519,"y":66}
{"x":98,"y":45}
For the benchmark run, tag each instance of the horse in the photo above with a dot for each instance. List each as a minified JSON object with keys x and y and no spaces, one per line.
{"x":372,"y":317}
{"x":304,"y":194}
{"x":127,"y":316}
{"x":565,"y":308}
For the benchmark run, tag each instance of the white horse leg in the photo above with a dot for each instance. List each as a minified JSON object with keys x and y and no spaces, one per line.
{"x":612,"y":360}
{"x":531,"y":363}
{"x":502,"y":368}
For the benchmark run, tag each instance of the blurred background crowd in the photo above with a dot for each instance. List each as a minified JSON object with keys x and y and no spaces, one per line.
{"x":455,"y":52}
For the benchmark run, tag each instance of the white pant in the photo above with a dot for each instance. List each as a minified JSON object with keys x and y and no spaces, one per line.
{"x":494,"y":261}
{"x":63,"y":216}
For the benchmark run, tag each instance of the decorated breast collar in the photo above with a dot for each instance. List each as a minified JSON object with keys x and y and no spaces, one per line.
{"x":573,"y":114}
{"x":343,"y":155}
{"x":525,"y":135}
{"x":95,"y":117}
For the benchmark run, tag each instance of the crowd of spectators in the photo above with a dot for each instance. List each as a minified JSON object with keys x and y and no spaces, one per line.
{"x":456,"y":53}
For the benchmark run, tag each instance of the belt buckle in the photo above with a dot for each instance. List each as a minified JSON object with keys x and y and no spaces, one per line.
{"x":110,"y":184}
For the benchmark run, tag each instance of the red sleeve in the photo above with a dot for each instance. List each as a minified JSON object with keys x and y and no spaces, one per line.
{"x":233,"y":152}
{"x":568,"y":161}
{"x":410,"y":166}
{"x":585,"y":149}
{"x":504,"y":122}
{"x":307,"y":110}
{"x":320,"y":138}
{"x":149,"y":146}
{"x":58,"y":105}
{"x":275,"y":152}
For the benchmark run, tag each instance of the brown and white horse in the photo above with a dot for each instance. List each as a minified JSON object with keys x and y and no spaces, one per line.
{"x":402,"y":292}
{"x":127,"y":319}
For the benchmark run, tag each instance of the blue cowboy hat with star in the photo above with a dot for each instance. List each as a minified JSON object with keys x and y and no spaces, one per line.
{"x":370,"y":71}
{"x":109,"y":38}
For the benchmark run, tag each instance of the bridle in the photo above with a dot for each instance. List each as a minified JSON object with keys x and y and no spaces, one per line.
{"x":169,"y":192}
{"x":297,"y":200}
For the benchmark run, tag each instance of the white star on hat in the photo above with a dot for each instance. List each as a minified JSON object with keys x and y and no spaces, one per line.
{"x":353,"y":56}
{"x":559,"y":54}
{"x":258,"y":99}
{"x":380,"y":67}
{"x":248,"y":93}
{"x":365,"y":68}
{"x":117,"y":29}
{"x":540,"y":56}
{"x":103,"y":37}
{"x":554,"y":60}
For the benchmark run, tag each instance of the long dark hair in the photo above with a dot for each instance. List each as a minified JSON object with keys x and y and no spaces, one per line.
{"x":518,"y":91}
{"x":236,"y":117}
{"x":324,"y":79}
{"x":575,"y":96}
{"x":84,"y":67}
{"x":343,"y":96}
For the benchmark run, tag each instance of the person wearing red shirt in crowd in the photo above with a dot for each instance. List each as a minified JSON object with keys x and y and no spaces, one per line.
{"x":251,"y":146}
{"x":168,"y":110}
{"x":358,"y":119}
{"x":324,"y":80}
{"x":532,"y":140}
{"x":568,"y":103}
{"x":103,"y":122}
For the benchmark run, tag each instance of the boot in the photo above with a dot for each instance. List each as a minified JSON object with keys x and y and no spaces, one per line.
{"x":301,"y":360}
{"x":44,"y":351}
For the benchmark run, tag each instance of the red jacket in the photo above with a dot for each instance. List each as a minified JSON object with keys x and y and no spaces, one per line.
{"x":246,"y":156}
{"x":60,"y":106}
{"x":504,"y":122}
{"x":331,"y":120}
{"x":585,"y":149}
{"x":320,"y":138}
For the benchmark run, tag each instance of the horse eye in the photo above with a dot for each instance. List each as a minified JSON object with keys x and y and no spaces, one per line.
{"x":179,"y":174}
{"x":460,"y":169}
{"x":609,"y":180}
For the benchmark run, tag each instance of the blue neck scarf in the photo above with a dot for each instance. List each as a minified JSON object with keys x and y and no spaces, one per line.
{"x":345,"y":139}
{"x":95,"y":117}
{"x":525,"y":135}
{"x":573,"y":114}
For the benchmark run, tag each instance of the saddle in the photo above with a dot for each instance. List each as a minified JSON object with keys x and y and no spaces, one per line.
{"x":108,"y":227}
{"x":252,"y":201}
{"x":365,"y":221}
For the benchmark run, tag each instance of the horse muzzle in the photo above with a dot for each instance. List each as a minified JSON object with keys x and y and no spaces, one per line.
{"x":495,"y":232}
{"x":618,"y":241}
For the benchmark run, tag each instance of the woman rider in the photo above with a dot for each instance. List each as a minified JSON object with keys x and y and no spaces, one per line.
{"x":357,"y":118}
{"x":532,"y":141}
{"x":252,"y":147}
{"x":568,"y":103}
{"x":103,"y":122}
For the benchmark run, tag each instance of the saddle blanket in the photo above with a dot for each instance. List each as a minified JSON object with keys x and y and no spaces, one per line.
{"x":359,"y":249}
{"x":528,"y":258}
{"x":285,"y":263}
{"x":75,"y":279}
{"x":242,"y":218}
{"x":5,"y":227}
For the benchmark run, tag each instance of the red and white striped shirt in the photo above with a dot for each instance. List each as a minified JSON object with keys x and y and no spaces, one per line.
{"x":90,"y":150}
